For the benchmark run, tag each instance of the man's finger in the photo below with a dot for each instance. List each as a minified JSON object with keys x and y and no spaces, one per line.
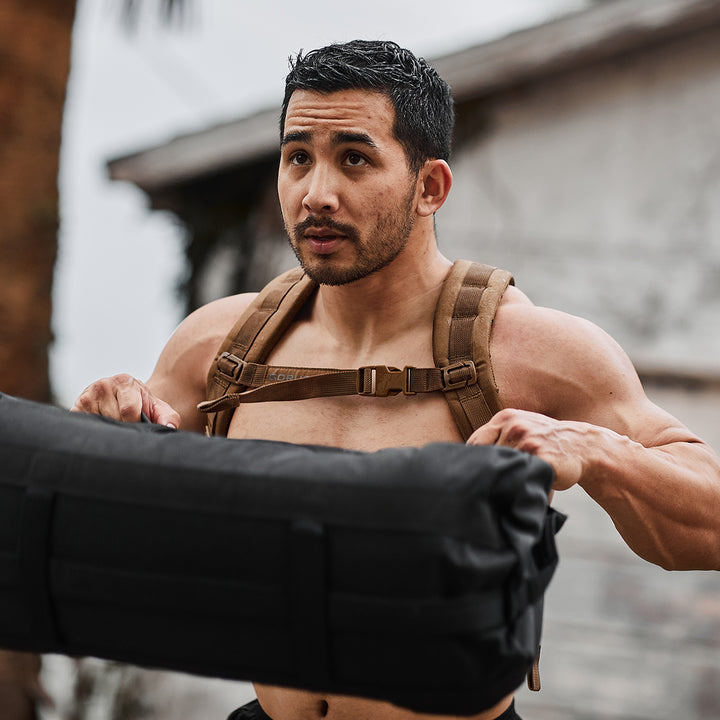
{"x":161,"y":413}
{"x":129,"y":402}
{"x":487,"y":434}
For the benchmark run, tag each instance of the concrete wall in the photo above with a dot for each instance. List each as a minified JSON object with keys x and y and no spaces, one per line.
{"x":599,"y":189}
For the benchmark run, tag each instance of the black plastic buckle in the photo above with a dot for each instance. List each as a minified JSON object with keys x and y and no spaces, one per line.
{"x":384,"y":381}
{"x":231,"y":366}
{"x":459,"y":375}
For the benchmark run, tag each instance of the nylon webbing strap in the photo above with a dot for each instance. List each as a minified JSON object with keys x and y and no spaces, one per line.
{"x":255,"y":333}
{"x":269,"y":383}
{"x":330,"y":384}
{"x":463,"y":323}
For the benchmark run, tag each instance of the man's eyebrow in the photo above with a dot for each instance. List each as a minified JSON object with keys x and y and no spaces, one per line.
{"x":344,"y":138}
{"x":301,"y":136}
{"x":340,"y":138}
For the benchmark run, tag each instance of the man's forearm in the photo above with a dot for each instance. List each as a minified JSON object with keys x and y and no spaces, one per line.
{"x":664,"y":501}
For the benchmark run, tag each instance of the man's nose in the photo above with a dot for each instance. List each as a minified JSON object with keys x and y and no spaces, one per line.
{"x":322,"y":191}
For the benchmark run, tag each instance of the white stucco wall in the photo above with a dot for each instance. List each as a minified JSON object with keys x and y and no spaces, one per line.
{"x":600,"y":190}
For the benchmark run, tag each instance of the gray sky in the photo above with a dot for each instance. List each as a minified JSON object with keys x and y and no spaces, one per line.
{"x":115,"y":304}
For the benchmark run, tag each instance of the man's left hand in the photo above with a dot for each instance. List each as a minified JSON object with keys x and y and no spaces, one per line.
{"x":566,"y":445}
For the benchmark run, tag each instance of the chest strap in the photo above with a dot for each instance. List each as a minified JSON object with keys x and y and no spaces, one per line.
{"x":268,"y":383}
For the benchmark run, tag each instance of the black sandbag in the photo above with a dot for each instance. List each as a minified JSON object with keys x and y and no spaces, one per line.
{"x":409,"y":575}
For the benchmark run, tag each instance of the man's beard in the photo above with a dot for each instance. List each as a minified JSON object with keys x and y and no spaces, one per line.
{"x":385,"y":242}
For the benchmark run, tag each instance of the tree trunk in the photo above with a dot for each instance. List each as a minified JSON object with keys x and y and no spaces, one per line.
{"x":35,"y":40}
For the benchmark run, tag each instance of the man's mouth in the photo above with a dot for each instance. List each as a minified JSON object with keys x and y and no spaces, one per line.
{"x":322,"y":241}
{"x":322,"y":234}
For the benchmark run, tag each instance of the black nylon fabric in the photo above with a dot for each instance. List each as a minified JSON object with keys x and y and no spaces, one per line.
{"x":413,"y":575}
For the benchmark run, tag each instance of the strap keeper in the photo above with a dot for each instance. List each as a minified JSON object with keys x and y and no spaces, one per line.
{"x":459,"y":375}
{"x":230,"y":366}
{"x":384,"y":380}
{"x":533,"y":676}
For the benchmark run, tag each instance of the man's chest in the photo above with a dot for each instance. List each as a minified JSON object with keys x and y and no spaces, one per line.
{"x":353,"y":421}
{"x":360,"y":423}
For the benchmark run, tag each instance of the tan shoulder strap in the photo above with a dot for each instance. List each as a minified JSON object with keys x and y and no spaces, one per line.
{"x":461,"y":338}
{"x":254,"y":335}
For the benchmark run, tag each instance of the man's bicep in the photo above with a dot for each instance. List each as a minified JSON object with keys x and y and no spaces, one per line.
{"x":602,"y":387}
{"x":567,"y":368}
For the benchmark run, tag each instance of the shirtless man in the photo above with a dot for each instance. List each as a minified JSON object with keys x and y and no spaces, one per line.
{"x":365,"y":135}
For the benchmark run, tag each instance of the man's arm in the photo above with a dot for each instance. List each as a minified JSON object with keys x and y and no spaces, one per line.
{"x":177,"y":384}
{"x":581,"y":407}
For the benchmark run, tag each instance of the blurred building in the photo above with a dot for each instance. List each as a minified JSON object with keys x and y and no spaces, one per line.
{"x":586,"y":161}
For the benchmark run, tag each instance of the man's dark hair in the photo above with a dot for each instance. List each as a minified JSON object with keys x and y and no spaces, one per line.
{"x":422,"y":101}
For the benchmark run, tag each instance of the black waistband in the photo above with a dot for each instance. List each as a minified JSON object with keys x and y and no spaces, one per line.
{"x":253,"y":711}
{"x":509,"y":714}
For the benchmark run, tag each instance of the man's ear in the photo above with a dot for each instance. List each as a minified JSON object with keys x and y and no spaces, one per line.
{"x":434,"y":183}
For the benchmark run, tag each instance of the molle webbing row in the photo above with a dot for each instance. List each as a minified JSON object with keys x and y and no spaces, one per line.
{"x":463,"y":323}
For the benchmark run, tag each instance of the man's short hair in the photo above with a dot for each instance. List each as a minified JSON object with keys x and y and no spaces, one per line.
{"x":424,"y":114}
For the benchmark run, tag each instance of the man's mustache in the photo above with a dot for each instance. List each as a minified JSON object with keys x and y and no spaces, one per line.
{"x":326,"y":223}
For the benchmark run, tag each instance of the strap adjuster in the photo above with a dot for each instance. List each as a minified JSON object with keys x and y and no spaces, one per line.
{"x":459,"y":375}
{"x":384,"y":380}
{"x":231,"y":366}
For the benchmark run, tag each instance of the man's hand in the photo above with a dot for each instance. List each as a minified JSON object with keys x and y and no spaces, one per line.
{"x":122,"y":397}
{"x":568,"y":446}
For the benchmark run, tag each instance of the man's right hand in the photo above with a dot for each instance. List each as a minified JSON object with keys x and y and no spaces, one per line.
{"x":122,"y":397}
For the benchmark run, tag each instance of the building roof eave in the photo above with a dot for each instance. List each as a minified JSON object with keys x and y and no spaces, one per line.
{"x":604,"y":30}
{"x":194,"y":155}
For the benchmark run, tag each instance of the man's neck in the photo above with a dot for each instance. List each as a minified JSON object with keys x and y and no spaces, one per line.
{"x":371,"y":312}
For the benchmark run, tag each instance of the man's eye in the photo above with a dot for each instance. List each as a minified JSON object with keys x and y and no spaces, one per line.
{"x":299,"y":158}
{"x":355,"y":159}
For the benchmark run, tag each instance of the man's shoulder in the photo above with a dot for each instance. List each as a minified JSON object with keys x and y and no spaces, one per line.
{"x":180,"y":375}
{"x":199,"y":335}
{"x":519,"y":322}
{"x":548,"y":361}
{"x":217,"y":317}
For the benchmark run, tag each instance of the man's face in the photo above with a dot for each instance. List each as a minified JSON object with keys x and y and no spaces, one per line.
{"x":347,"y":195}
